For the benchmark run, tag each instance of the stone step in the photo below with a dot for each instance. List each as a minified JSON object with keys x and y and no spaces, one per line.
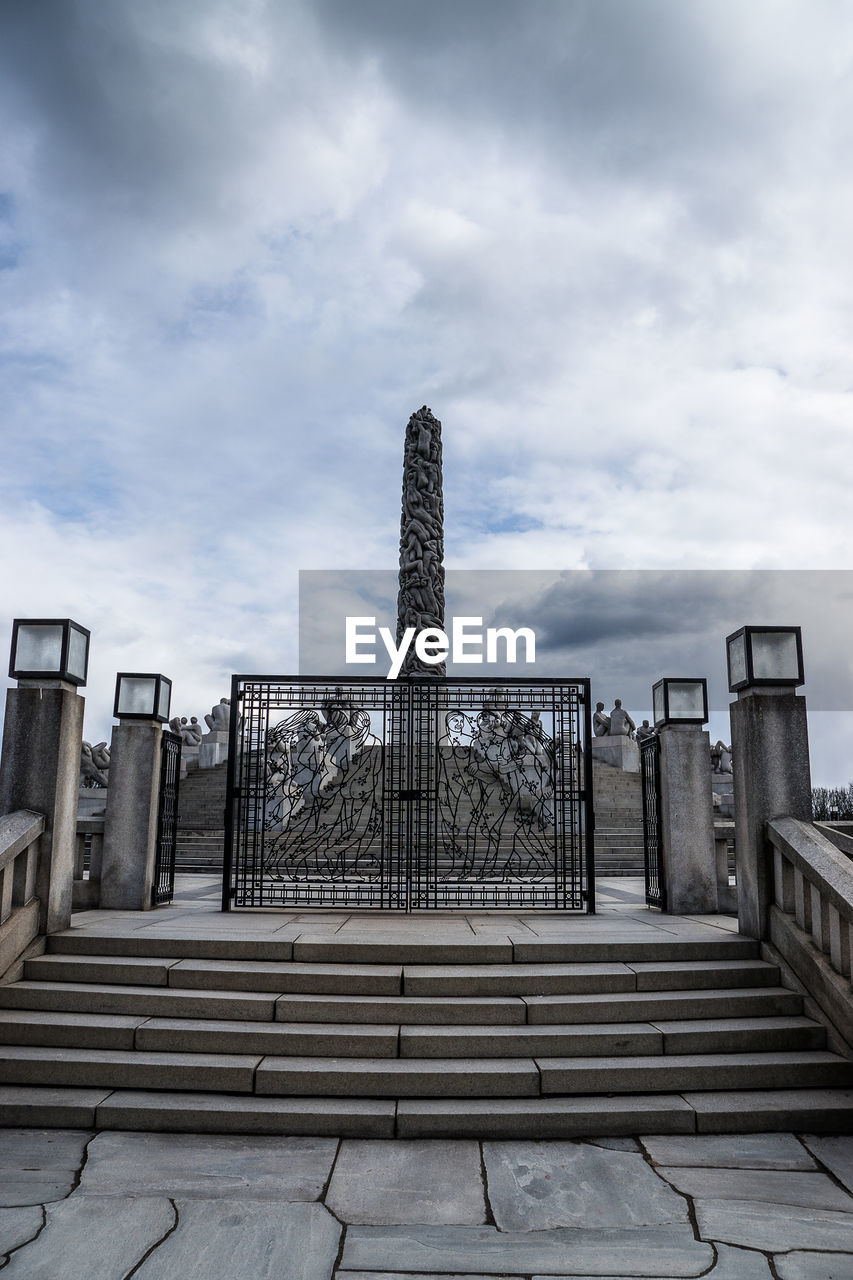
{"x":223,"y":975}
{"x":641,"y":1006}
{"x":439,"y":1011}
{"x":290,"y":1076}
{"x":403,"y":1078}
{"x":80,"y":997}
{"x":120,"y":1069}
{"x":385,"y":949}
{"x":302,"y":1039}
{"x":736,"y":1035}
{"x":580,"y":1116}
{"x":69,"y":1030}
{"x":810,"y":1069}
{"x":531,"y":979}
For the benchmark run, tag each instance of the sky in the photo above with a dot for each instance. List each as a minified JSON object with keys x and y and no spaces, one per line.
{"x":606,"y":241}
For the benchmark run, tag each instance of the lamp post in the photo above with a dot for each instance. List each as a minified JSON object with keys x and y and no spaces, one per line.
{"x":42,"y":737}
{"x":141,"y":706}
{"x":770,"y":747}
{"x":680,"y":706}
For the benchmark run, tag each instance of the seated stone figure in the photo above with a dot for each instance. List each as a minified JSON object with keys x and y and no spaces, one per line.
{"x":621,"y":724}
{"x":219,"y":718}
{"x":645,"y":730}
{"x":600,"y":721}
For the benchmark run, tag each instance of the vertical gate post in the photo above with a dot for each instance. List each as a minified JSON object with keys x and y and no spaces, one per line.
{"x":770,"y":756}
{"x":131,"y":824}
{"x":42,"y":737}
{"x":686,"y":804}
{"x":687,"y":820}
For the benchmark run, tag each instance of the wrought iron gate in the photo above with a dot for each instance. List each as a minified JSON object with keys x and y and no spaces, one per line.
{"x":167,"y":819}
{"x":650,"y":771}
{"x":409,"y":794}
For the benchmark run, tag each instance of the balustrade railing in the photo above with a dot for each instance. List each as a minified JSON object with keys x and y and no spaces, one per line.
{"x":811,"y":915}
{"x":19,"y":906}
{"x":88,"y":855}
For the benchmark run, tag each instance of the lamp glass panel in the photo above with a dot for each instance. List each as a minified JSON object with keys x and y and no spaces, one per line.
{"x":657,"y":698}
{"x":136,"y":696}
{"x":164,"y":699}
{"x":77,"y":648}
{"x":686,"y":700}
{"x":774,"y":655}
{"x":737,"y":659}
{"x":39,"y":648}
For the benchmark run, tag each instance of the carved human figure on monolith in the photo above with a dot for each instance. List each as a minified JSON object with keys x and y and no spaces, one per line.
{"x":420,"y":599}
{"x":621,"y":724}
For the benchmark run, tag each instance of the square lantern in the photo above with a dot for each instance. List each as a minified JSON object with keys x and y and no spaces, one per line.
{"x":49,"y":648}
{"x":765,"y":656}
{"x":142,"y":697}
{"x":680,"y":701}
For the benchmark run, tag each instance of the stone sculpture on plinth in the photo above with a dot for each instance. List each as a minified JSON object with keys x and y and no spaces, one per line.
{"x":613,"y":741}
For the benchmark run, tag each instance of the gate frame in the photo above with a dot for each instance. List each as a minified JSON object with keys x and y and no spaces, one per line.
{"x":654,"y":871}
{"x":163,"y":882}
{"x":586,"y":860}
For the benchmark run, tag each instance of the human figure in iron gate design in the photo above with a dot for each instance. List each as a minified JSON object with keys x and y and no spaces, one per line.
{"x":455,"y":792}
{"x":323,"y":811}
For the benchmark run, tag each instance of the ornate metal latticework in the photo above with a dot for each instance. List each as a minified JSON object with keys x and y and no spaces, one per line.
{"x":163,"y":886}
{"x":420,"y":601}
{"x":653,"y":857}
{"x":415,"y":795}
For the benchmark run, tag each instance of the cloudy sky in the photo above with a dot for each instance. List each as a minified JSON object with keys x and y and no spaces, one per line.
{"x":607,"y":241}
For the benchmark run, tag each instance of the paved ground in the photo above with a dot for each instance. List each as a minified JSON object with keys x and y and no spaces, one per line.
{"x":111,"y":1205}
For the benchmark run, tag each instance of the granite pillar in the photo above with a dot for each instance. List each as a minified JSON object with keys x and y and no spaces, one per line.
{"x":130,"y":828}
{"x":687,"y":820}
{"x":40,"y":770}
{"x":770,"y":750}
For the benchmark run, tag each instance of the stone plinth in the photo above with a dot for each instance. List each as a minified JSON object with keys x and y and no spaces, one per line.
{"x":770,"y":748}
{"x":619,"y":751}
{"x":723,"y":787}
{"x":130,"y":828}
{"x":687,"y":821}
{"x":42,"y":737}
{"x":213,"y":749}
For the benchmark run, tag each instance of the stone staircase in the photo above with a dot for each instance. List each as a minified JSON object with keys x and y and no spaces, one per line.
{"x":618,"y":801}
{"x":201,"y":821}
{"x":408,"y":1037}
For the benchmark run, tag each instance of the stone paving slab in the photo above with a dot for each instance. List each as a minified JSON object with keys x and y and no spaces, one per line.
{"x":545,"y":1185}
{"x":252,"y":1239}
{"x":94,"y":1238}
{"x":39,"y":1165}
{"x":807,"y":1190}
{"x":735,"y":1151}
{"x":836,"y":1153}
{"x":667,"y":1251}
{"x":755,"y":1224}
{"x":17,"y":1225}
{"x":398,"y":1183}
{"x":208,"y":1167}
{"x":803,"y":1265}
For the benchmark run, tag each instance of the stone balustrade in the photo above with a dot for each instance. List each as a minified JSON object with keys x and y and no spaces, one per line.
{"x":811,"y":916}
{"x":19,"y":906}
{"x":89,"y":840}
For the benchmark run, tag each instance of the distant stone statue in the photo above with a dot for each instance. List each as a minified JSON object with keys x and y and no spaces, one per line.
{"x":600,"y":721}
{"x":93,"y":771}
{"x":621,"y":724}
{"x":189,"y":731}
{"x":645,"y":730}
{"x":721,"y":757}
{"x":219,"y":718}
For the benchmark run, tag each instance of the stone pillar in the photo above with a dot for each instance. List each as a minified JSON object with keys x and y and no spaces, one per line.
{"x":40,"y":770}
{"x":770,"y":758}
{"x":130,"y":828}
{"x":687,"y":820}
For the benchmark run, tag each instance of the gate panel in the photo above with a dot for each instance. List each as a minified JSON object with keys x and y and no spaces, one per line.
{"x":163,"y":886}
{"x":409,"y":795}
{"x":652,"y":855}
